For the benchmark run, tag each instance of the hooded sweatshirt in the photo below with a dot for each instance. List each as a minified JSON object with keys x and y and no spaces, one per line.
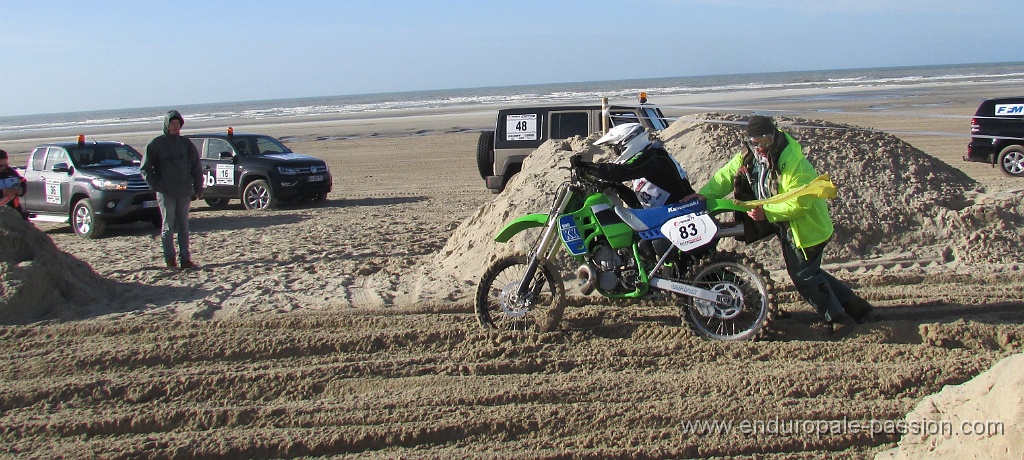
{"x":171,"y":163}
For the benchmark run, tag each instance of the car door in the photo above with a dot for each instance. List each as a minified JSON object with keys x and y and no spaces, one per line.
{"x":219,"y":177}
{"x":35,"y":186}
{"x":55,"y":185}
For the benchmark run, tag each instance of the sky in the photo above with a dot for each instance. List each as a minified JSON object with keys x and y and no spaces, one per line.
{"x":68,"y":56}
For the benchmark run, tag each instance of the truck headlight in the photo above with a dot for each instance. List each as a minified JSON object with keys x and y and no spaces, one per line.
{"x":107,"y":184}
{"x":287,"y":171}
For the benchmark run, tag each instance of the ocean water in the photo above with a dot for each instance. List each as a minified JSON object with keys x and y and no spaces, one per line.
{"x":384,"y":104}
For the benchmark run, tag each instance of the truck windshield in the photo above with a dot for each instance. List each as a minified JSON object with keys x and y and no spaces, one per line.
{"x":103,"y":155}
{"x":657,"y":121}
{"x":258,"y":145}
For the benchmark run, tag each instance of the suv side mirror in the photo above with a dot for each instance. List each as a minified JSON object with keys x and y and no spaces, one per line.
{"x":61,"y":167}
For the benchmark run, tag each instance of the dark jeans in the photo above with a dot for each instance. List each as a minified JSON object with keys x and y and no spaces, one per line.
{"x":825,"y":293}
{"x":174,"y":211}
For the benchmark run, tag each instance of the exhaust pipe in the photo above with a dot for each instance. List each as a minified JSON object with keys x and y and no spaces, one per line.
{"x":587,"y":279}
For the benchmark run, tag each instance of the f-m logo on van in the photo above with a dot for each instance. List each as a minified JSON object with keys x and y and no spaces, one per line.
{"x":1009,"y":109}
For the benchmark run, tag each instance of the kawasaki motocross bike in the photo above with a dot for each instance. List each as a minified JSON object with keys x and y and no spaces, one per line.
{"x":625,"y":254}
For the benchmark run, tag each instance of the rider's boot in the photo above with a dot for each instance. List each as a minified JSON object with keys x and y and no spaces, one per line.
{"x":859,"y":309}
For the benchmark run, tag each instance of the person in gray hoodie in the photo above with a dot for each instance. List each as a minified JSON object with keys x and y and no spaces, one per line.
{"x":171,"y":167}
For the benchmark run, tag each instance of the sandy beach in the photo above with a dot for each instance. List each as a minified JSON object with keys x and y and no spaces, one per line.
{"x":345,"y":328}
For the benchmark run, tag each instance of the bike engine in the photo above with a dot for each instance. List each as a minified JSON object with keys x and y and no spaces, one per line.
{"x":616,"y":270}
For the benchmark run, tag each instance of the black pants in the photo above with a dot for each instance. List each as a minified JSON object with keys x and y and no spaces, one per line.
{"x":820,"y":289}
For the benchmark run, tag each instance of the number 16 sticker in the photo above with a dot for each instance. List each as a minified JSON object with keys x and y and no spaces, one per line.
{"x":225,"y":174}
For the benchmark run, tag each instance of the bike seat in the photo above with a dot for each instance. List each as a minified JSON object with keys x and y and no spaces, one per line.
{"x":645,"y":219}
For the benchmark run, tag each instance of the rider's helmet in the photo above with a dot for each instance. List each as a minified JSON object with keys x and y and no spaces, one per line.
{"x":628,"y":139}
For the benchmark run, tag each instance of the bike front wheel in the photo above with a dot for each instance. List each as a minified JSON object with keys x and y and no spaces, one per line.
{"x":500,"y":305}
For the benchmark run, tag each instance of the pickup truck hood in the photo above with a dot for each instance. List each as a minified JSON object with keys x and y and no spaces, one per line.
{"x":291,"y":158}
{"x":114,"y":173}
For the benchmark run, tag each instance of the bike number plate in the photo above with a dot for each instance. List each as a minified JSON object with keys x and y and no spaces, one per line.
{"x":691,"y":231}
{"x":571,"y":235}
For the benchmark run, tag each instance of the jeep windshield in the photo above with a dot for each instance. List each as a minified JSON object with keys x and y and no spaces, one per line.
{"x":653,"y":115}
{"x":258,"y":145}
{"x":103,"y":155}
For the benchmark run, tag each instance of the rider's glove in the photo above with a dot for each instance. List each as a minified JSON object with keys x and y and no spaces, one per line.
{"x":576,"y":161}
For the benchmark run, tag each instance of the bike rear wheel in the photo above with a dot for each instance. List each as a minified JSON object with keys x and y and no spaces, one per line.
{"x":740,"y":278}
{"x":499,"y":306}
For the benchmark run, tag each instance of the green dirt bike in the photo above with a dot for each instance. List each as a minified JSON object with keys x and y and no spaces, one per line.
{"x":722,"y":295}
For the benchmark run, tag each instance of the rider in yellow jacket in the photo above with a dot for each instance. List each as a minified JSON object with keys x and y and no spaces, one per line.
{"x":773,"y":164}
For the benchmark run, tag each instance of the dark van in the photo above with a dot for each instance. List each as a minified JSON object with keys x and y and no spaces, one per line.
{"x":997,"y":135}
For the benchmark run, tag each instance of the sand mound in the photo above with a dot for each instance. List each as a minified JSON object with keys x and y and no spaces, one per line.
{"x":982,"y":418}
{"x":893,"y":198}
{"x":37,"y":280}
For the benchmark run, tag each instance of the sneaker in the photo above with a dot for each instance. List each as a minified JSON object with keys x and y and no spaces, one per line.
{"x":171,"y":263}
{"x":187,"y":264}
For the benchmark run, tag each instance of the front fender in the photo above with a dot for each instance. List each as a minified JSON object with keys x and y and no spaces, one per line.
{"x":718,"y":205}
{"x":520,"y":224}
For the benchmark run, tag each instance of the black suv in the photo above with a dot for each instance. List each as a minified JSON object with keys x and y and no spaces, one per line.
{"x":997,"y":135}
{"x":519,"y":131}
{"x":88,"y":184}
{"x":257,"y":169}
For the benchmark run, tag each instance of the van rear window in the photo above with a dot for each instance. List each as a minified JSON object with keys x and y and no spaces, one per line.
{"x":521,"y":127}
{"x":1003,"y":110}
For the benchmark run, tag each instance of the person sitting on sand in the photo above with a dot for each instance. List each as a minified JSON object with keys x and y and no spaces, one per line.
{"x":12,"y":185}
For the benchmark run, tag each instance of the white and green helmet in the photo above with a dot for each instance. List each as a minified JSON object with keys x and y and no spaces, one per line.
{"x":628,"y":139}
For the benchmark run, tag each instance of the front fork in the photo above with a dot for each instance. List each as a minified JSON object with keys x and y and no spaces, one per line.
{"x":546,"y":246}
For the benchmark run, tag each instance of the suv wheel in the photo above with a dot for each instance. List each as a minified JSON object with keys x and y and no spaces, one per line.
{"x":217,"y":203}
{"x":84,"y":221}
{"x":1011,"y":160}
{"x":258,"y":195}
{"x":485,"y":154}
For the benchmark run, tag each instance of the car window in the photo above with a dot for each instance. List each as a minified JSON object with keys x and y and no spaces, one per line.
{"x":1009,"y":109}
{"x":217,"y":146}
{"x":125,"y":154}
{"x":655,"y":118}
{"x":54,"y":156}
{"x":85,"y":157}
{"x":38,"y":157}
{"x":267,"y":145}
{"x":103,"y":155}
{"x":242,"y":145}
{"x":521,"y":127}
{"x":198,"y":142}
{"x":568,"y":124}
{"x":622,"y":116}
